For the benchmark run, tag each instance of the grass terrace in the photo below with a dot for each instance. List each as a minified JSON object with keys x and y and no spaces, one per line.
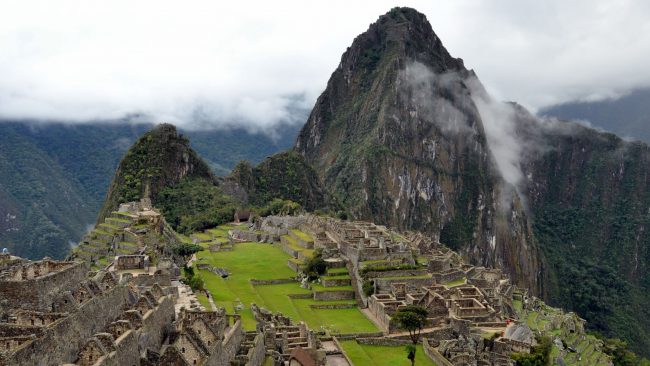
{"x":337,"y":271}
{"x":267,"y":262}
{"x":462,"y":281}
{"x":294,"y":245}
{"x":203,"y":300}
{"x":584,"y":345}
{"x":367,"y":355}
{"x":302,"y":235}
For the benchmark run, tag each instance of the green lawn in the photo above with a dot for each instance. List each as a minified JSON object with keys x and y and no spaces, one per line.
{"x":264,"y":262}
{"x":462,"y":281}
{"x":301,"y":235}
{"x":366,"y":355}
{"x":203,"y":300}
{"x":334,"y":271}
{"x":293,"y":244}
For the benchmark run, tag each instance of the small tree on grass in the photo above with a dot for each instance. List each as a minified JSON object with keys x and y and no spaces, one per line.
{"x":411,"y":318}
{"x":315,"y":266}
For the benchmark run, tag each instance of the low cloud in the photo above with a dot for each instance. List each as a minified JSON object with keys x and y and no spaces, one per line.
{"x":436,"y":98}
{"x":209,"y":64}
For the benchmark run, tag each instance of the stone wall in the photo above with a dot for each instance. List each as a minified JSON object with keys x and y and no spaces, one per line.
{"x":396,"y":273}
{"x":335,"y":282}
{"x":151,"y":334}
{"x":332,"y":306}
{"x":334,"y":295}
{"x":148,"y":280}
{"x":384,"y":283}
{"x":64,"y":338}
{"x":381,"y":341}
{"x":280,"y":281}
{"x":257,"y":353}
{"x":126,"y":352}
{"x":39,"y":293}
{"x":232,"y":340}
{"x":433,"y":354}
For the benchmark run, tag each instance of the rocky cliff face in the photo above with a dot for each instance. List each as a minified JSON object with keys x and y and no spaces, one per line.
{"x":398,"y":138}
{"x":160,"y":158}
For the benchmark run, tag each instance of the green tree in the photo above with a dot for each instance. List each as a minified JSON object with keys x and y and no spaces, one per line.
{"x":315,"y":266}
{"x":540,"y":355}
{"x":411,"y":318}
{"x":186,"y":250}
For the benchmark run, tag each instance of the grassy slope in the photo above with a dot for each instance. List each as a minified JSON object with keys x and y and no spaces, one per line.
{"x":264,"y":262}
{"x":366,"y":355}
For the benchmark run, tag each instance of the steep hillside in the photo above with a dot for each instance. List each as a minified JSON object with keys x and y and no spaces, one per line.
{"x":78,"y":161}
{"x":404,"y":135}
{"x":397,"y":138}
{"x":160,"y":158}
{"x":590,"y":198}
{"x":42,"y":209}
{"x":285,"y":176}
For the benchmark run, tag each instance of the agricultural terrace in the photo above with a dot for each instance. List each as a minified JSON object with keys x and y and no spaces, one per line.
{"x":371,"y":355}
{"x":248,"y":261}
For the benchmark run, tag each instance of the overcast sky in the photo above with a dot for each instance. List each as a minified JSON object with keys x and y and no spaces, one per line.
{"x":196,"y":62}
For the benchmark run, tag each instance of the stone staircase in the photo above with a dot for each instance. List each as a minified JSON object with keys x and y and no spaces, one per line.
{"x":293,"y":339}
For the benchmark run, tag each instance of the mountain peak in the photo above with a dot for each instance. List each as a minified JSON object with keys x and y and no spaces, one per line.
{"x":161,"y":157}
{"x":402,"y":33}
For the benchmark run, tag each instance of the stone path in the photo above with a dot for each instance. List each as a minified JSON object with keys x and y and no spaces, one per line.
{"x":334,"y":355}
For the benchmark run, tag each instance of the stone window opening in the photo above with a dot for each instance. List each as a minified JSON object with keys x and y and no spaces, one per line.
{"x":183,"y":350}
{"x":208,"y":343}
{"x":194,"y":363}
{"x":32,"y":321}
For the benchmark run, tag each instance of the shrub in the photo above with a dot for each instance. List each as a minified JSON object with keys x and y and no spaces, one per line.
{"x":368,"y":287}
{"x":315,"y":266}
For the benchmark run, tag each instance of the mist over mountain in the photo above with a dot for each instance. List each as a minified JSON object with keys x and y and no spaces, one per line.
{"x":404,"y":135}
{"x":55,"y":176}
{"x":627,"y":116}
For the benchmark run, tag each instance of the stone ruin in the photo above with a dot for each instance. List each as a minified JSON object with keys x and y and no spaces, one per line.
{"x":136,"y":228}
{"x":284,"y":340}
{"x":59,"y":312}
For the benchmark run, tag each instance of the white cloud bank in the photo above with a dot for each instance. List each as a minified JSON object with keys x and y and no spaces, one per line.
{"x":201,"y":63}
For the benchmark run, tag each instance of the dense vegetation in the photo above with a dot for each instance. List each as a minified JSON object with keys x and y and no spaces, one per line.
{"x":591,"y":223}
{"x":540,"y":355}
{"x":54,"y":177}
{"x":160,"y":158}
{"x":621,"y":355}
{"x":285,"y":176}
{"x":42,"y":206}
{"x":195,"y":204}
